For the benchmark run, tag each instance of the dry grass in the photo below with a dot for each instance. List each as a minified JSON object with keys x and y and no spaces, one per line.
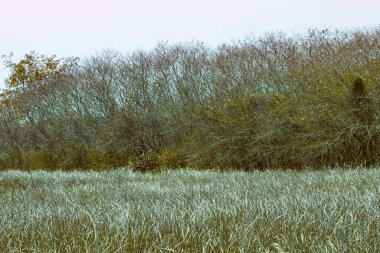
{"x":190,"y":211}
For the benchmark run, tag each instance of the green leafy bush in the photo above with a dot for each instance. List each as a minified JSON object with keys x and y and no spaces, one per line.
{"x":146,"y":162}
{"x":37,"y":159}
{"x":172,"y":158}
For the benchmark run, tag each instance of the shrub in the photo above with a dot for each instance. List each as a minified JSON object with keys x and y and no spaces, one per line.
{"x":172,"y":158}
{"x":36,"y":159}
{"x":146,"y":162}
{"x":97,"y":159}
{"x":4,"y":161}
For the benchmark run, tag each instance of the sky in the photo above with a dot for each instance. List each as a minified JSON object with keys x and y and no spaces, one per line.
{"x":85,"y":27}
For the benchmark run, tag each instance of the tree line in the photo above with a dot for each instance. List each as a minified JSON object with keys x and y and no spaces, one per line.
{"x":275,"y":101}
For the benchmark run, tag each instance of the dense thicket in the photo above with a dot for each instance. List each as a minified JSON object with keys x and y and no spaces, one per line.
{"x":271,"y":102}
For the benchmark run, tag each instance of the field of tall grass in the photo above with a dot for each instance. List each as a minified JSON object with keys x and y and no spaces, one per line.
{"x":190,"y":211}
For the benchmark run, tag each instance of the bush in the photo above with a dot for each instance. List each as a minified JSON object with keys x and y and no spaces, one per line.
{"x":146,"y":162}
{"x":172,"y":158}
{"x":37,"y":159}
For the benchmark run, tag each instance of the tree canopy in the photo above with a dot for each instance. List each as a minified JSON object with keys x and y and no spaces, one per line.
{"x":260,"y":103}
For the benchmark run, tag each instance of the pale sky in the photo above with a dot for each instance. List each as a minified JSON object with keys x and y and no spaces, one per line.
{"x":83,"y":27}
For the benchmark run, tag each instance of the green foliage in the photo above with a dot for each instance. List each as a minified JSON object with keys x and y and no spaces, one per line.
{"x":172,"y":158}
{"x":41,"y":159}
{"x":146,"y":162}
